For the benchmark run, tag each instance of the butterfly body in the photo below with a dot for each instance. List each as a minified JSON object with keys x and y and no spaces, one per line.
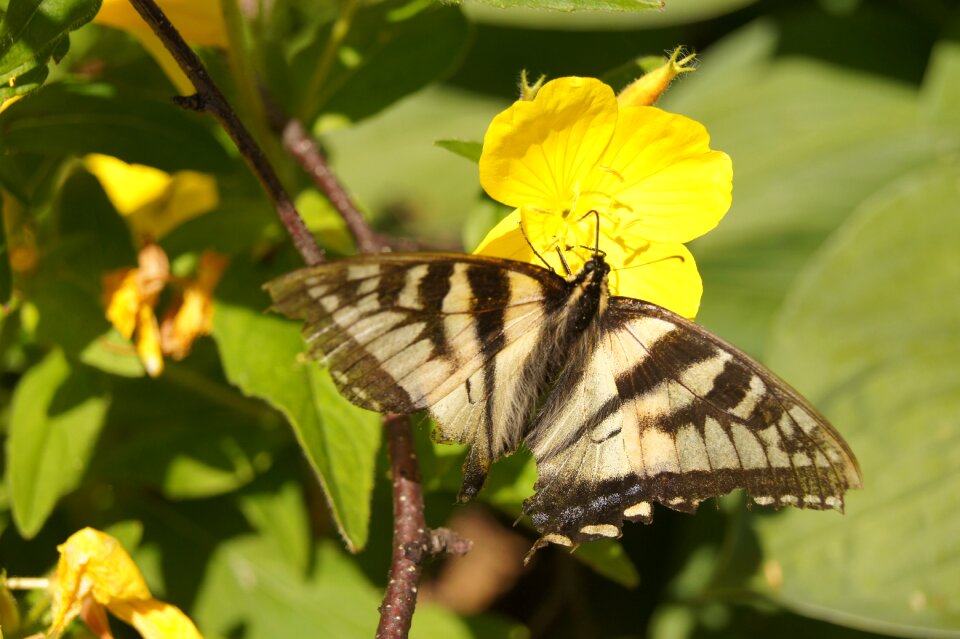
{"x":622,"y":403}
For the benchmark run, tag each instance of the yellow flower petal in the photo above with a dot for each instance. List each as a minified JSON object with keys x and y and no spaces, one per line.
{"x":664,"y":180}
{"x":121,"y":296}
{"x":545,"y":231}
{"x":537,"y":153}
{"x":93,"y":565}
{"x":153,"y":272}
{"x":153,"y":201}
{"x":128,"y":186}
{"x":94,"y":616}
{"x":165,"y":60}
{"x":148,"y":342}
{"x":192,"y":315}
{"x":93,"y":571}
{"x":198,"y":21}
{"x":662,"y":273}
{"x":155,"y":619}
{"x":188,"y":195}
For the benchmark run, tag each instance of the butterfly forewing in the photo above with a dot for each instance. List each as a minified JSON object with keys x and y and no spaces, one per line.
{"x":675,"y":416}
{"x":455,"y":334}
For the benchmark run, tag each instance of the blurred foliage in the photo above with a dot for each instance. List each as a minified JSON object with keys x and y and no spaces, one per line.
{"x":242,"y":483}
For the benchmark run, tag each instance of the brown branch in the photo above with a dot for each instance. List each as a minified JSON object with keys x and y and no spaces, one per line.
{"x":305,"y":150}
{"x":409,"y":527}
{"x":209,"y":98}
{"x":413,"y":542}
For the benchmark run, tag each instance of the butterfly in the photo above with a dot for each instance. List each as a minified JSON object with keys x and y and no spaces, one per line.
{"x":623,"y":403}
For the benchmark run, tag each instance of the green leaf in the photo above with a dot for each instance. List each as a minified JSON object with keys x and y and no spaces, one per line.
{"x":31,"y":33}
{"x":392,"y":49}
{"x":577,"y":5}
{"x":607,"y":558}
{"x":73,"y":118}
{"x":809,"y":141}
{"x":57,"y":412}
{"x":67,"y":291}
{"x":282,"y":518}
{"x":261,"y":355}
{"x":870,"y":335}
{"x":186,"y":434}
{"x":390,"y":161}
{"x":250,"y":585}
{"x":9,"y":611}
{"x":941,"y":93}
{"x":463,"y":148}
{"x":6,"y":284}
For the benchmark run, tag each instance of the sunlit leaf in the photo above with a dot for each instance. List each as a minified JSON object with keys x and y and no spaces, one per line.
{"x":870,"y":334}
{"x":261,"y":355}
{"x":809,"y":141}
{"x":468,"y":150}
{"x":941,"y":92}
{"x":31,"y":33}
{"x":56,"y":416}
{"x":392,"y":49}
{"x":186,"y":435}
{"x":250,"y":585}
{"x":577,"y":5}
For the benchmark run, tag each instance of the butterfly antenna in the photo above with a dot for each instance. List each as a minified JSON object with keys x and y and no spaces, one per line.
{"x":526,"y":239}
{"x":656,"y":261}
{"x":563,"y":261}
{"x":596,"y":247}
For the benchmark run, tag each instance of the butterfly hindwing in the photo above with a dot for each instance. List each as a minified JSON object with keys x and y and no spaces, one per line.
{"x":662,"y":411}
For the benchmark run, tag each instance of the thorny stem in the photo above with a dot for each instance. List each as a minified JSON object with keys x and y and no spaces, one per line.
{"x":209,"y":98}
{"x":413,"y":542}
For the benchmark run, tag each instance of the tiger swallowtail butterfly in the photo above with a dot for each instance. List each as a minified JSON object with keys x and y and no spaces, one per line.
{"x":623,"y":403}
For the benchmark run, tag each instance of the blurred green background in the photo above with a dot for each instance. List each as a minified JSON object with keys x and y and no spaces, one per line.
{"x":838,"y":266}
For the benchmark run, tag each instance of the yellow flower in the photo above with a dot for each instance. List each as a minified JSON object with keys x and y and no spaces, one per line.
{"x":152,"y":201}
{"x":649,"y":175}
{"x":94,"y":571}
{"x":200,"y":22}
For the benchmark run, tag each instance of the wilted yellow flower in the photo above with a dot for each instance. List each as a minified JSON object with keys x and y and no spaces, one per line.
{"x":649,"y":175}
{"x":152,"y":201}
{"x":192,"y":315}
{"x":94,"y":571}
{"x":130,"y":295}
{"x":200,"y":22}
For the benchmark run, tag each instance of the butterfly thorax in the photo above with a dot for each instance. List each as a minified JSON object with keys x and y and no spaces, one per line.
{"x":587,"y":294}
